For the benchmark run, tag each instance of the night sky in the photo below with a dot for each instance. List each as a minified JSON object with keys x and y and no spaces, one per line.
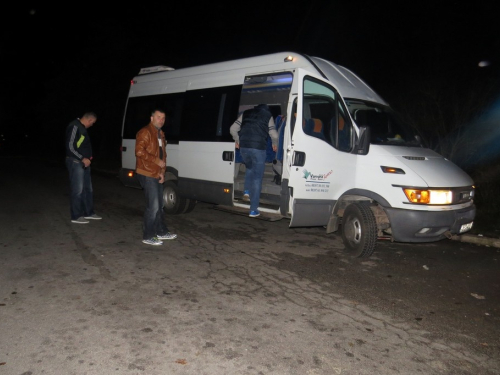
{"x":58,"y":61}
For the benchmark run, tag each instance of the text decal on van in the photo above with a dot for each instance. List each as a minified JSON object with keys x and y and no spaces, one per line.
{"x":315,"y":177}
{"x":316,"y":183}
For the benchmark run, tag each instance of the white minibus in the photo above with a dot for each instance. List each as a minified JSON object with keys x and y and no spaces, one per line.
{"x":344,"y":161}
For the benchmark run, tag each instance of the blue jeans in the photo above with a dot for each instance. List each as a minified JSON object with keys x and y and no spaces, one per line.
{"x":154,"y":223}
{"x":255,"y":163}
{"x":81,"y":194}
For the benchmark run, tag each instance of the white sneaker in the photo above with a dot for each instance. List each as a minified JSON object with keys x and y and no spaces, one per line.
{"x":80,"y":220}
{"x":246,"y":195}
{"x":93,"y":217}
{"x":168,"y":236}
{"x":153,"y":241}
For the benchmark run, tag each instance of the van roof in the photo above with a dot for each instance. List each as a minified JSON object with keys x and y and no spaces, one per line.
{"x":234,"y":71}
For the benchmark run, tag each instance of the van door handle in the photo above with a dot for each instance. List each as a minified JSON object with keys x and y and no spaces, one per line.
{"x":299,"y":159}
{"x":228,"y":155}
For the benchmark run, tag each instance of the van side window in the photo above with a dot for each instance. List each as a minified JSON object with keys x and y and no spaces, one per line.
{"x":208,"y":114}
{"x":139,"y":109}
{"x":325,"y":116}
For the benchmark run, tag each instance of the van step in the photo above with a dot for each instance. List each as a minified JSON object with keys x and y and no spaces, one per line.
{"x":266,"y":200}
{"x":243,"y":211}
{"x":263,"y":203}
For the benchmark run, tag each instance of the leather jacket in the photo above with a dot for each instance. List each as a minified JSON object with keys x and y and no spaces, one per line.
{"x":147,"y":152}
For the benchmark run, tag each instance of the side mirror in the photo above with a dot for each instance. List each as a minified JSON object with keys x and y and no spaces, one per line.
{"x":363,"y":144}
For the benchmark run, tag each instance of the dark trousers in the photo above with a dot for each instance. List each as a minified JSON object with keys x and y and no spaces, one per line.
{"x":154,"y":223}
{"x":81,"y":194}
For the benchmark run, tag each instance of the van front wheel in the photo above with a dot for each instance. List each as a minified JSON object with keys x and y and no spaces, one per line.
{"x":359,"y":230}
{"x":173,"y":204}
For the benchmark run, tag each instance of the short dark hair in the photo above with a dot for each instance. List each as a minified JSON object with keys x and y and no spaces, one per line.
{"x":89,"y":114}
{"x":157,"y":110}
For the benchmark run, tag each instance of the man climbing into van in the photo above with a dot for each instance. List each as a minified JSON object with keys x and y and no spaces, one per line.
{"x":250,"y":132}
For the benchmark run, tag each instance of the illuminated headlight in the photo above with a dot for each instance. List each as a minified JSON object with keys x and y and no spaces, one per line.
{"x":429,"y":196}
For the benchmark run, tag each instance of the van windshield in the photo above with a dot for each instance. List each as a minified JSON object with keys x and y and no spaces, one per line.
{"x":385,"y":127}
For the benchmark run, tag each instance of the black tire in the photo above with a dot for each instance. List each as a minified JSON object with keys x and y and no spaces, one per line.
{"x":359,"y":230}
{"x":190,"y":204}
{"x":173,"y":204}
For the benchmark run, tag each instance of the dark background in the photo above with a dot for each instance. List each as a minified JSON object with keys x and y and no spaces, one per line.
{"x":60,"y":60}
{"x":435,"y":62}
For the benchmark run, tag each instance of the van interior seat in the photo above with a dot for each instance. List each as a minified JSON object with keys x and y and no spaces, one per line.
{"x":314,"y":127}
{"x":237,"y":156}
{"x":280,"y":127}
{"x":343,"y":133}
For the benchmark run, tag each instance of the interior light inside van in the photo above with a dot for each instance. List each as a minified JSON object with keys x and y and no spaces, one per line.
{"x":429,"y":196}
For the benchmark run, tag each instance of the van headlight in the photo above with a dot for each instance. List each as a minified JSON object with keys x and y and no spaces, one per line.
{"x":429,"y":196}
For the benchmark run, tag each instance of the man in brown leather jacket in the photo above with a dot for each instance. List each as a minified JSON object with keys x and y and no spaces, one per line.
{"x":151,"y":161}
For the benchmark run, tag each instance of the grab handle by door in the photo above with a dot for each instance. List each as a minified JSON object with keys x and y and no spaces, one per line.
{"x":299,"y":158}
{"x":228,"y":155}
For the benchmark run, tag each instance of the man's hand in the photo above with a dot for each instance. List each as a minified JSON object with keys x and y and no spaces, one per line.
{"x":237,"y":145}
{"x":86,"y":162}
{"x":275,"y":148}
{"x":162,"y":164}
{"x":162,"y":179}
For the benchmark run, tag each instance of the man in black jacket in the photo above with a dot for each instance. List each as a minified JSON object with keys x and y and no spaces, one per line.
{"x":250,"y":132}
{"x":78,"y":160}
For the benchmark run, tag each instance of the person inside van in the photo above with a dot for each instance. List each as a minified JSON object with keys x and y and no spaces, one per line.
{"x":250,"y":132}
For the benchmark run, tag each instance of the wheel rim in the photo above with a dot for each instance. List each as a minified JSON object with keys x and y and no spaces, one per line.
{"x":169,"y":198}
{"x":354,"y":231}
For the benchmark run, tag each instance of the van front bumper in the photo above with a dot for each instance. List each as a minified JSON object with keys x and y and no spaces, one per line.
{"x":427,"y":226}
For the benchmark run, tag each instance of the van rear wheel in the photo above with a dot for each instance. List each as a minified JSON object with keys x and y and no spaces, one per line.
{"x":190,"y":204}
{"x":359,"y":230}
{"x":173,"y":204}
